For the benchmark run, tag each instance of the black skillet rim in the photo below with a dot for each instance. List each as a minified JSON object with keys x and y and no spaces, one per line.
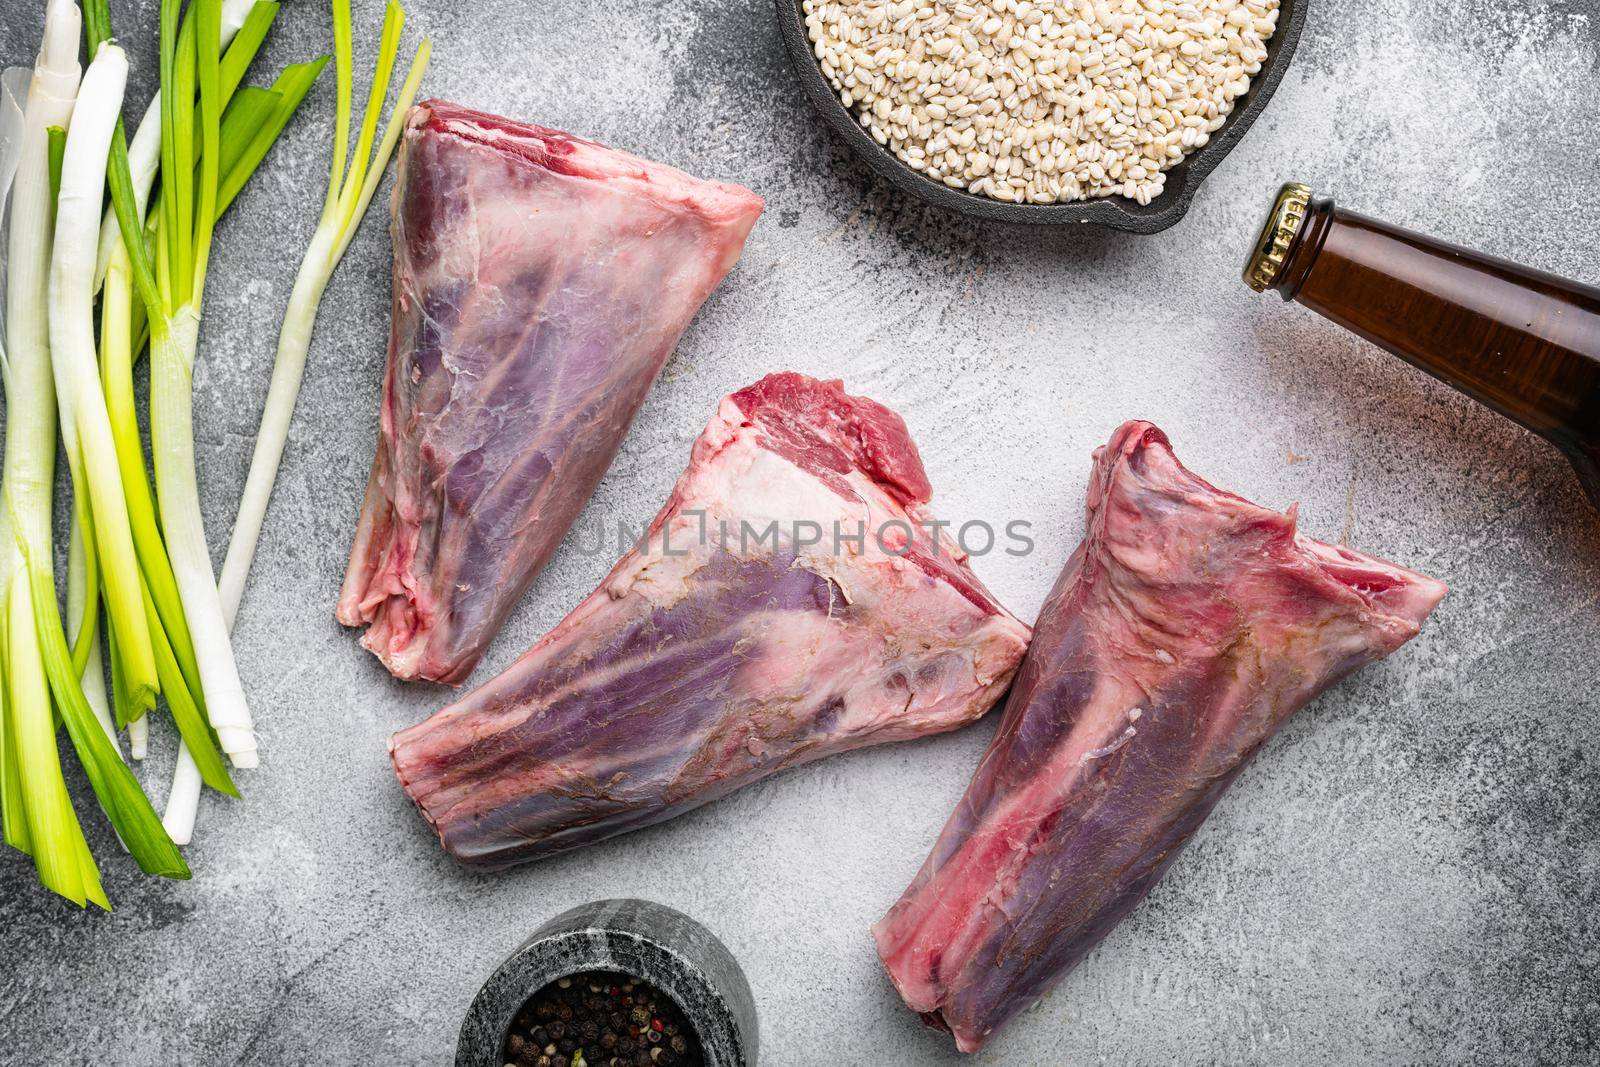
{"x":1183,"y":181}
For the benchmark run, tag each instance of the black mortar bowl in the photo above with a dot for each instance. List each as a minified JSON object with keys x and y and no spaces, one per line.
{"x":1183,"y":181}
{"x":652,"y":942}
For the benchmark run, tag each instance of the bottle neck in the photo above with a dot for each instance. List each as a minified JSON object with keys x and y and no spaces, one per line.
{"x":1523,"y":342}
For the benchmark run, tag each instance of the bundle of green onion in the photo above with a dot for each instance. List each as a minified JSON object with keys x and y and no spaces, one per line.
{"x":137,"y":557}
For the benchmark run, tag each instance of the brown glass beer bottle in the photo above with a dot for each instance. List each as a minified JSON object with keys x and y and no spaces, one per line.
{"x":1524,"y":342}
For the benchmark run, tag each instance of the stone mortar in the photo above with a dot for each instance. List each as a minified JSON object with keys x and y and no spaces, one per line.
{"x":658,"y":944}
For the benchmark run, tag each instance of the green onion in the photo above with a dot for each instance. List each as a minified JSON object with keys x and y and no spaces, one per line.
{"x":142,"y":555}
{"x":141,"y":159}
{"x":82,"y":613}
{"x":206,"y":155}
{"x":29,"y":467}
{"x":250,"y":123}
{"x":344,"y":204}
{"x":54,"y":837}
{"x":91,"y":456}
{"x":49,"y":296}
{"x":85,"y":423}
{"x":190,"y":58}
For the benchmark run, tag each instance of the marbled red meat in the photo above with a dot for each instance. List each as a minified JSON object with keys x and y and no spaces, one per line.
{"x":1188,"y":626}
{"x":709,"y":658}
{"x":540,"y":283}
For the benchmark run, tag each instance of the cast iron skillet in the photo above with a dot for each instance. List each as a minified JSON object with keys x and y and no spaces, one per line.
{"x":1118,"y":213}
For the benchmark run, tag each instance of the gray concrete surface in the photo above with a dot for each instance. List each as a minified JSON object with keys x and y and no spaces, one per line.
{"x":1407,"y":874}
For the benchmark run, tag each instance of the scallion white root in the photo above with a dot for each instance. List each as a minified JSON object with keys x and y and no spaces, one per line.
{"x":139,"y":747}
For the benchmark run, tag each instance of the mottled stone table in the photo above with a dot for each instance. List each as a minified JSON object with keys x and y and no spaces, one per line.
{"x":1409,"y":872}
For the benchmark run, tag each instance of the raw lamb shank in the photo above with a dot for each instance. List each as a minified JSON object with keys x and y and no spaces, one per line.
{"x":540,"y":283}
{"x":740,"y":639}
{"x":1186,"y":629}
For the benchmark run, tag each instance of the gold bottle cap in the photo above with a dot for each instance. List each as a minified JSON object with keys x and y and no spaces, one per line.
{"x":1272,"y":247}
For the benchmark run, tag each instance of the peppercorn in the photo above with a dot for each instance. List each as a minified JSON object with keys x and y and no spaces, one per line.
{"x":614,"y":1018}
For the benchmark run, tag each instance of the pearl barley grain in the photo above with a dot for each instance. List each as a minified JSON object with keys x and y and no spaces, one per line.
{"x":1040,"y":101}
